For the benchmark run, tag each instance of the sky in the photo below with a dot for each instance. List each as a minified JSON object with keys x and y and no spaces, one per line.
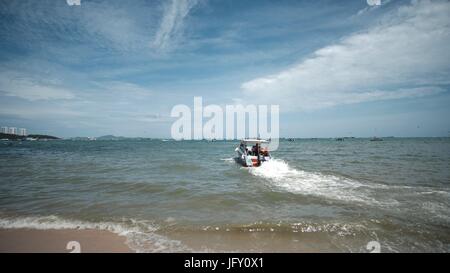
{"x":335,"y":68}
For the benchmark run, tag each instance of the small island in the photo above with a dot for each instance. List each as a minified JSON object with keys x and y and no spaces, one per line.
{"x":4,"y":136}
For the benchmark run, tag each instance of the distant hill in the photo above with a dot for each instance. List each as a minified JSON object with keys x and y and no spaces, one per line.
{"x":43,"y":136}
{"x":111,"y":137}
{"x":17,"y":137}
{"x":10,"y":137}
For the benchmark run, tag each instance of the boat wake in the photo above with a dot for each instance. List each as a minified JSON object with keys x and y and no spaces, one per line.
{"x":279,"y":176}
{"x":283,"y":176}
{"x":230,"y":159}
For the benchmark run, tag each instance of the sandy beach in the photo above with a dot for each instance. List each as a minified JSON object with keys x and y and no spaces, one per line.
{"x":56,"y":241}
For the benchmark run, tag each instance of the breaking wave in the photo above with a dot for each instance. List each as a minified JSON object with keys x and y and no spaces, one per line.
{"x":341,"y":229}
{"x":140,"y":235}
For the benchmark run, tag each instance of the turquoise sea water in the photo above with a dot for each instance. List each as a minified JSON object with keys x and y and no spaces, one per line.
{"x":316,"y":195}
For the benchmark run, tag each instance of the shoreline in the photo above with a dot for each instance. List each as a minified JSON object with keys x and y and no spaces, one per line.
{"x":23,"y":240}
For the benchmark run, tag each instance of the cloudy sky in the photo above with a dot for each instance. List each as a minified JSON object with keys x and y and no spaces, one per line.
{"x":336,"y":68}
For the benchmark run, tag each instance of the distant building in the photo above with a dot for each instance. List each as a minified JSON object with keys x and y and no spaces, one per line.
{"x":4,"y":130}
{"x":22,"y":132}
{"x":13,"y":130}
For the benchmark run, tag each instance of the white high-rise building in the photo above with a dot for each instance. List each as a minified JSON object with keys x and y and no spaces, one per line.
{"x":4,"y":130}
{"x":13,"y":130}
{"x":22,"y":132}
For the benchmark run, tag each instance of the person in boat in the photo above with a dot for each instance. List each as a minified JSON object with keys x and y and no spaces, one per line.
{"x":264,"y":151}
{"x":255,"y":149}
{"x":245,"y":148}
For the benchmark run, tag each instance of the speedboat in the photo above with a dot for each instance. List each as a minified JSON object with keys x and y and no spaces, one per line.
{"x":252,"y":152}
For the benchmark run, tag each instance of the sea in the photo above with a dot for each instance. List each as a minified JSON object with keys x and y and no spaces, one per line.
{"x":315,"y":195}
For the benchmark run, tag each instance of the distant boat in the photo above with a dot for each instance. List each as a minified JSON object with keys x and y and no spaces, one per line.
{"x":376,"y":139}
{"x":339,"y":139}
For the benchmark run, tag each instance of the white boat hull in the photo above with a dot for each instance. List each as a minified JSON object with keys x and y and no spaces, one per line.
{"x":249,"y":160}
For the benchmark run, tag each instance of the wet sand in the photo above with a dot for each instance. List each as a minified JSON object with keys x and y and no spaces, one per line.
{"x":29,"y":240}
{"x":260,"y":242}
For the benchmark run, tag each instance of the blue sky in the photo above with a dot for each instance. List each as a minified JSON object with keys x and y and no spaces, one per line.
{"x":336,"y":68}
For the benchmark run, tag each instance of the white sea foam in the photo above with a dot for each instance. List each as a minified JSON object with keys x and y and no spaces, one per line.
{"x":281,"y":175}
{"x":230,"y":159}
{"x":140,"y":235}
{"x":437,"y":209}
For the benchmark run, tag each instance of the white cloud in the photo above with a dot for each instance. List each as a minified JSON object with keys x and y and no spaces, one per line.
{"x":33,"y":112}
{"x":122,"y":26}
{"x":172,"y":23}
{"x":32,"y":90}
{"x":73,"y":2}
{"x":405,"y":55}
{"x":113,"y":26}
{"x":124,"y":88}
{"x":372,"y":5}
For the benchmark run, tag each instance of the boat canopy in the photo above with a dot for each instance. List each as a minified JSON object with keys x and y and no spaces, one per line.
{"x":254,"y":141}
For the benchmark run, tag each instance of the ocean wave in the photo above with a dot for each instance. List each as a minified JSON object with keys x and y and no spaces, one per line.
{"x":140,"y":235}
{"x":340,"y":229}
